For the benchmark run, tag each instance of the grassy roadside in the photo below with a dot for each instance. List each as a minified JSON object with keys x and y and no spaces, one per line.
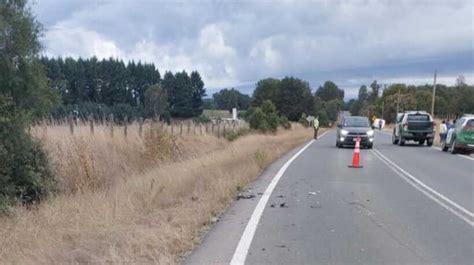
{"x":149,"y":217}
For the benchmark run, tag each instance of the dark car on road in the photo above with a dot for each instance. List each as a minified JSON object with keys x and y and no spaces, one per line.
{"x":415,"y":126}
{"x":354,"y":127}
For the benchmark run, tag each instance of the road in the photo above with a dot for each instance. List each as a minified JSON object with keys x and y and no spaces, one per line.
{"x":406,"y":205}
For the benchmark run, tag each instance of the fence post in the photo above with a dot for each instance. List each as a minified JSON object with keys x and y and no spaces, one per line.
{"x":180,"y":128}
{"x":207,"y":127}
{"x":172,"y":129}
{"x":223,"y":131}
{"x":71,"y":124}
{"x":212,"y":128}
{"x":125,"y":128}
{"x":200,"y":128}
{"x":91,"y":124}
{"x":140,"y":126}
{"x":111,"y":124}
{"x":189,"y":126}
{"x":218,"y":130}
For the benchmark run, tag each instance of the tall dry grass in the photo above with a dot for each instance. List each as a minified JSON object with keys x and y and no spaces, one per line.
{"x":85,"y":160}
{"x":150,"y":217}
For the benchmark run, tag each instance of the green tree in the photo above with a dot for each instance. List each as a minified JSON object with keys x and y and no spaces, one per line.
{"x":330,"y":91}
{"x":22,"y":77}
{"x":198,"y":92}
{"x":294,"y":97}
{"x":266,"y":89}
{"x":183,"y":96}
{"x":23,"y":93}
{"x":374,"y":94}
{"x":231,"y":98}
{"x":156,"y":102}
{"x":265,"y":118}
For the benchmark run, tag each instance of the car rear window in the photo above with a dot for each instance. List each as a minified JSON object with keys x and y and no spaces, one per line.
{"x":470,"y":123}
{"x":418,"y":117}
{"x":356,"y":122}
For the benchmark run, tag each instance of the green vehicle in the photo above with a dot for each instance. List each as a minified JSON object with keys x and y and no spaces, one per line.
{"x":461,"y":136}
{"x":415,"y":126}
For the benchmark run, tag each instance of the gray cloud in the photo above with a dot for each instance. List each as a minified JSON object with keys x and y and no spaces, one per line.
{"x":236,"y":43}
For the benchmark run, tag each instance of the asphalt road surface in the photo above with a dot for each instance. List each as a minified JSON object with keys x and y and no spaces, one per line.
{"x":407,"y":205}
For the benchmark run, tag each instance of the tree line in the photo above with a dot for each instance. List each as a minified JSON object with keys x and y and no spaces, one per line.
{"x":110,"y":86}
{"x":450,"y":101}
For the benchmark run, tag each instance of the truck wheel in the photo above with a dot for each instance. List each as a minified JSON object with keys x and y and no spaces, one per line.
{"x":339,"y":145}
{"x":401,"y":141}
{"x":394,"y":139}
{"x":429,"y":142}
{"x":421,"y":142}
{"x":454,"y":150}
{"x":370,"y":146}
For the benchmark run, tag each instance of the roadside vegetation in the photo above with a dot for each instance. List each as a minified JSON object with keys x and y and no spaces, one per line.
{"x":451,"y":101}
{"x":113,"y":208}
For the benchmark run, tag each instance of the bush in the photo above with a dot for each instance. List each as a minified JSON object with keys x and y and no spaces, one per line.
{"x":285,"y":123}
{"x":232,"y":135}
{"x":25,"y":173}
{"x":303,"y":120}
{"x":202,"y":119}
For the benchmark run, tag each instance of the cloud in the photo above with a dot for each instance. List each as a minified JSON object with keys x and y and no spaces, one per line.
{"x":234,"y":44}
{"x":76,"y":41}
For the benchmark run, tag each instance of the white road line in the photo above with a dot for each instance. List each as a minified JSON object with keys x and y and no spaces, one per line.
{"x":435,"y":147}
{"x":242,"y":249}
{"x":442,"y":200}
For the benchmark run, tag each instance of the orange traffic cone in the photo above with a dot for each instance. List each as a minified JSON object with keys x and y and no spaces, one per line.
{"x":355,"y":156}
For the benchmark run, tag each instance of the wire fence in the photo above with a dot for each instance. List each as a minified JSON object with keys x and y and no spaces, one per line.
{"x":123,"y":129}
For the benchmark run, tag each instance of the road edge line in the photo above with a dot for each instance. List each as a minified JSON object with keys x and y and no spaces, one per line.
{"x":429,"y":192}
{"x":240,"y":254}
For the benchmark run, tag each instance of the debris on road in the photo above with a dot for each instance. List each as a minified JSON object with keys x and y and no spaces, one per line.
{"x":215,"y":219}
{"x":280,"y":196}
{"x":283,"y":205}
{"x":312,"y":193}
{"x":245,"y":196}
{"x":272,"y":205}
{"x":281,"y":246}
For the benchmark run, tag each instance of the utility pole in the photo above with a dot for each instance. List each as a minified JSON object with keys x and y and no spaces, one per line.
{"x":434,"y":95}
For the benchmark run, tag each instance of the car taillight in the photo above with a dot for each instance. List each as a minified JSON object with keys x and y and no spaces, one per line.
{"x":466,"y":128}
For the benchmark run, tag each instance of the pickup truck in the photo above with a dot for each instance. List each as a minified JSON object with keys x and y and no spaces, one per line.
{"x":414,"y":126}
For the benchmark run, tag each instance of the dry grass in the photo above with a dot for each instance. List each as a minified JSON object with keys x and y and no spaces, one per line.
{"x":85,"y":161}
{"x":149,"y":217}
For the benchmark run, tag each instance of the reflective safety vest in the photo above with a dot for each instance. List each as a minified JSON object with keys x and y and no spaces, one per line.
{"x":316,"y":123}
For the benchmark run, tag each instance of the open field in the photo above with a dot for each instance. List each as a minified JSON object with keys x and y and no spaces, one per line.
{"x":135,"y":199}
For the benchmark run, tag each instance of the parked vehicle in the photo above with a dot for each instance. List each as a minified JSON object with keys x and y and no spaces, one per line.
{"x":461,"y":136}
{"x":414,"y":126}
{"x":354,"y":127}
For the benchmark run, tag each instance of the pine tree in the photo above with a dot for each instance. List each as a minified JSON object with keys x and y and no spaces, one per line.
{"x":198,"y":92}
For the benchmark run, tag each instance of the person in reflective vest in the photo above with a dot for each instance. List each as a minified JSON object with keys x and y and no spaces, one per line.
{"x":316,"y":127}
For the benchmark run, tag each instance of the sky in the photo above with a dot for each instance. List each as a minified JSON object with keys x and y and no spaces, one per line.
{"x":237,"y":43}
